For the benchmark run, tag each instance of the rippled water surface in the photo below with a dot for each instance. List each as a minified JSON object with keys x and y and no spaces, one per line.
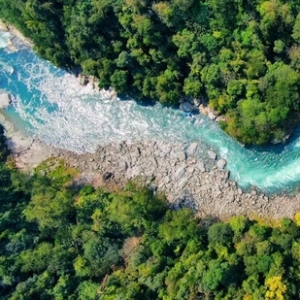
{"x":48,"y":103}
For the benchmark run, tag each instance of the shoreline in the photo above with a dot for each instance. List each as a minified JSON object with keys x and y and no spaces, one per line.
{"x":175,"y":169}
{"x":171,"y":168}
{"x":14,"y":32}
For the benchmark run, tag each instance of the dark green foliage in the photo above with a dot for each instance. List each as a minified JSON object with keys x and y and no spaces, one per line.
{"x":59,"y":241}
{"x":244,"y":56}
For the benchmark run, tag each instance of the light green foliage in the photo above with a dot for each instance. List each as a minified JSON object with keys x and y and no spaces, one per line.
{"x":59,"y":241}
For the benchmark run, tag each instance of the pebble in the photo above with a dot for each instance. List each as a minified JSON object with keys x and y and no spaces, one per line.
{"x":221,"y":163}
{"x":179,"y":173}
{"x":183,"y":182}
{"x":192,"y":149}
{"x":211,"y":154}
{"x":181,"y":156}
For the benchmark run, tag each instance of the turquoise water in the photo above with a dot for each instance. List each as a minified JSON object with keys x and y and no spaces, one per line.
{"x":48,"y":103}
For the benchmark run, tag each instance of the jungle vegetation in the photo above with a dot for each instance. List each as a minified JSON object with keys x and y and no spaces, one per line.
{"x":243,"y":56}
{"x":62,"y":241}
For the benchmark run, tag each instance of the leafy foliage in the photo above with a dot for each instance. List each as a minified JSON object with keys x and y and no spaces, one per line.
{"x":59,"y":241}
{"x":241,"y":55}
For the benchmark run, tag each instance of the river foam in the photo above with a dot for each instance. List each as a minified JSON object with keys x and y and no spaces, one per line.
{"x":49,"y":103}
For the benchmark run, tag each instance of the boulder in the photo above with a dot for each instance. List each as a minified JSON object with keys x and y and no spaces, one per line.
{"x":123,"y":165}
{"x":181,"y":156}
{"x":167,"y":179}
{"x":4,"y":100}
{"x":196,"y":101}
{"x":186,"y":107}
{"x":212,"y":154}
{"x":192,"y":149}
{"x":253,"y":193}
{"x":211,"y":115}
{"x":201,"y":167}
{"x":179,"y":173}
{"x":182,"y":183}
{"x":221,"y":163}
{"x":136,"y":152}
{"x":190,"y":170}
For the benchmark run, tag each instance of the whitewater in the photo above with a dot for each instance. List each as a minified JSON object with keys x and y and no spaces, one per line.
{"x":50,"y":104}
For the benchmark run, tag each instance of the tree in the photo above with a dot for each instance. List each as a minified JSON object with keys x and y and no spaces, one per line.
{"x":220,"y":233}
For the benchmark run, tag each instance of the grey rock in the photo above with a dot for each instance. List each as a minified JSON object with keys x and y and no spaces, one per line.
{"x":212,"y":116}
{"x":212,"y":154}
{"x":135,"y":171}
{"x":240,"y":191}
{"x":186,"y":107}
{"x":123,"y":165}
{"x":136,"y":152}
{"x":181,"y":156}
{"x":190,"y":170}
{"x":179,"y":173}
{"x":201,"y":167}
{"x":192,"y":149}
{"x":196,"y":101}
{"x":118,"y":148}
{"x":221,"y":163}
{"x":182,"y":183}
{"x":253,"y":193}
{"x":167,"y":179}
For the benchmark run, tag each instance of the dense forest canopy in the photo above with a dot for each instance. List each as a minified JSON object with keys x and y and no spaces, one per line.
{"x":241,"y":55}
{"x":62,"y":241}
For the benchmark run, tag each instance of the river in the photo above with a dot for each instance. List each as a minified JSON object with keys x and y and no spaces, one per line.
{"x":49,"y":104}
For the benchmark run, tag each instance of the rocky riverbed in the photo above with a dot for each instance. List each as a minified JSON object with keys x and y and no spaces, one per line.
{"x":184,"y":173}
{"x":189,"y":175}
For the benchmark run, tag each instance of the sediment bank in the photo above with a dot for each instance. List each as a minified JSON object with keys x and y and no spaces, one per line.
{"x":184,"y":173}
{"x":185,"y":178}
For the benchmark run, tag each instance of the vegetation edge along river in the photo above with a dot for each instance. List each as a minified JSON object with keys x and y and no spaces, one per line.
{"x":243,"y":58}
{"x":61,"y":239}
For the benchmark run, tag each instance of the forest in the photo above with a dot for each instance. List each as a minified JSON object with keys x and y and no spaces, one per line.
{"x":64,"y":241}
{"x":240,"y":56}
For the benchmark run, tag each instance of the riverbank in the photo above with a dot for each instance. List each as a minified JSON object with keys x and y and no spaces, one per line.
{"x":188,"y":176}
{"x":15,"y":33}
{"x":26,"y":152}
{"x":187,"y":179}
